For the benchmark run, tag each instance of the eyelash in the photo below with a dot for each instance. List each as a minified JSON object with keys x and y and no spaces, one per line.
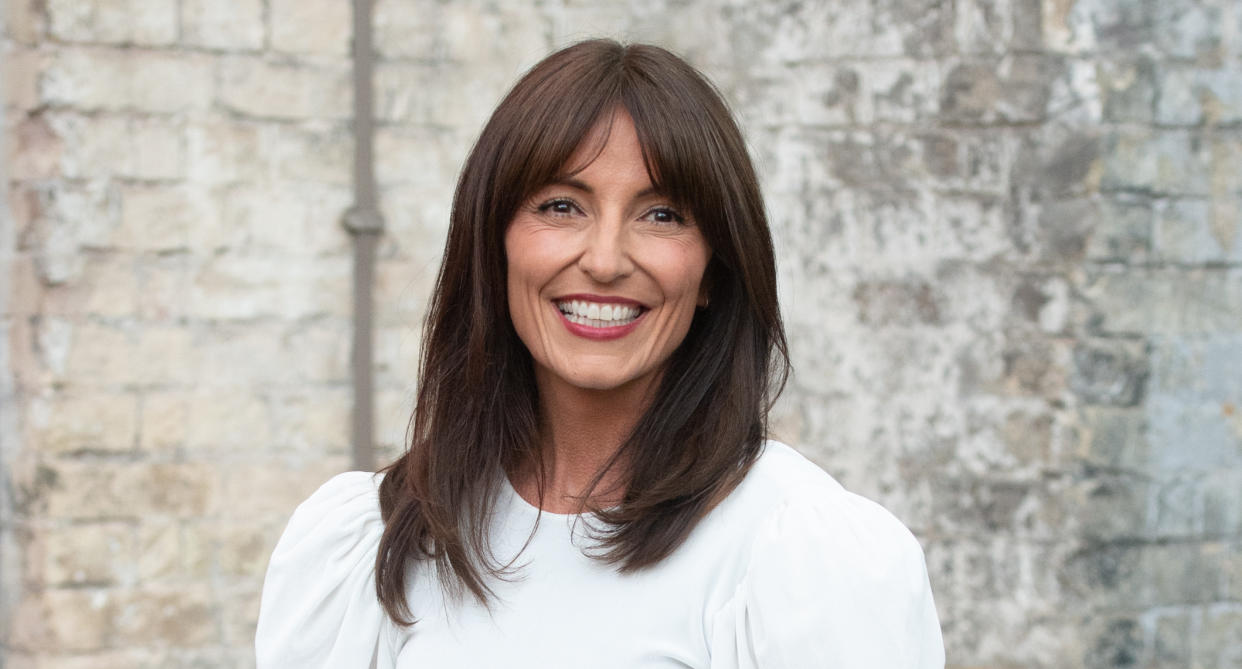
{"x":547,"y":208}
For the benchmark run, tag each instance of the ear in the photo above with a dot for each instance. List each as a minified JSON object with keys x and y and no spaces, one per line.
{"x":705,"y":294}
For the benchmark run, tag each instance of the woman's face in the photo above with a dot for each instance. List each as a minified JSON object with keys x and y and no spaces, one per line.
{"x":604,"y":273}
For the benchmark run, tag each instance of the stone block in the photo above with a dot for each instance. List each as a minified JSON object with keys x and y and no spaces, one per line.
{"x":401,"y":294}
{"x":163,"y":356}
{"x":496,"y":37}
{"x":1222,"y":509}
{"x":164,"y":281}
{"x":1122,"y":230}
{"x":226,"y":151}
{"x":882,"y":303}
{"x":1185,"y":573}
{"x":72,"y":218}
{"x":1168,"y":301}
{"x":19,"y":75}
{"x":127,"y":80}
{"x":1175,"y":508}
{"x":1110,"y":373}
{"x":33,"y":149}
{"x":94,"y":554}
{"x":111,"y":291}
{"x":179,"y":616}
{"x":237,"y":286}
{"x":272,"y":489}
{"x":1172,"y":640}
{"x":1225,"y":166}
{"x":109,"y":145}
{"x":100,"y":356}
{"x":257,"y":88}
{"x":416,"y":156}
{"x":1117,"y":642}
{"x":1216,"y":641}
{"x":393,"y":408}
{"x":1028,"y":437}
{"x":232,"y":26}
{"x":1103,"y":575}
{"x":1187,"y":231}
{"x":985,"y":26}
{"x":1034,"y":368}
{"x":1115,"y":437}
{"x":240,"y":614}
{"x":117,"y":491}
{"x":320,"y":352}
{"x":1109,"y":506}
{"x":1174,"y":423}
{"x":289,"y":219}
{"x":162,"y":554}
{"x":1016,"y":89}
{"x":1196,"y":96}
{"x":1164,"y":161}
{"x":312,"y":421}
{"x":923,"y":28}
{"x":164,"y":420}
{"x":396,"y":354}
{"x":321,"y":27}
{"x":23,"y":22}
{"x":90,"y":422}
{"x":129,"y":658}
{"x":1199,"y":370}
{"x":227,"y":421}
{"x":323,"y":155}
{"x":241,"y":549}
{"x":163,"y":218}
{"x":1129,"y":88}
{"x":1190,"y":30}
{"x":65,"y":620}
{"x":113,"y":21}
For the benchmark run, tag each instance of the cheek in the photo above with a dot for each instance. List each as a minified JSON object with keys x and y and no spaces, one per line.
{"x":682,"y":271}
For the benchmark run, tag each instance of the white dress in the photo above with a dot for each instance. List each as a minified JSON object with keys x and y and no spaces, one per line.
{"x":791,"y":571}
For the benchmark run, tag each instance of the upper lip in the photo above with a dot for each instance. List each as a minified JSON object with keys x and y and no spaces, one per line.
{"x":599,"y":299}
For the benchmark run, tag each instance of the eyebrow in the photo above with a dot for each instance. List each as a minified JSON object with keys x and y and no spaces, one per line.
{"x":582,"y":186}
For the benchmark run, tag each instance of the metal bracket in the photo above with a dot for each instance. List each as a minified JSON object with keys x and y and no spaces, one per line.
{"x":362,"y":221}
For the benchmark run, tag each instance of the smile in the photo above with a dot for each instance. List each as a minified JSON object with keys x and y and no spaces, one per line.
{"x":597,"y":314}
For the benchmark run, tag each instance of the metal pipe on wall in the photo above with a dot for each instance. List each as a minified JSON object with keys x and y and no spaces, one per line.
{"x":365,"y":224}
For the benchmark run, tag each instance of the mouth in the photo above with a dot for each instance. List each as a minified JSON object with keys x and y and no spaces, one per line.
{"x":600,"y":315}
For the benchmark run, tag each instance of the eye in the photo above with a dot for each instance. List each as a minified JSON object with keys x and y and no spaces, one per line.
{"x":560,"y":207}
{"x":664,"y":215}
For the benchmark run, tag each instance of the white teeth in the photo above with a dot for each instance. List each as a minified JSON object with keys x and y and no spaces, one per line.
{"x":596,"y":315}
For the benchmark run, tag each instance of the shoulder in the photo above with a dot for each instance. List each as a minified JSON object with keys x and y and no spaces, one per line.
{"x":784,"y":488}
{"x":832,"y":578}
{"x":319,"y":607}
{"x":790,"y":501}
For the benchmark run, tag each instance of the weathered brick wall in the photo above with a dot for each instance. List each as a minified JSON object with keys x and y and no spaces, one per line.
{"x":1011,"y":262}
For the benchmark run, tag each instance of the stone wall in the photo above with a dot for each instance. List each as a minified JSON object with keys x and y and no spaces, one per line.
{"x":1010,"y":237}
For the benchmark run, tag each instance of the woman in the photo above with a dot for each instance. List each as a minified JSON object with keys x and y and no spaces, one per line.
{"x":587,"y":483}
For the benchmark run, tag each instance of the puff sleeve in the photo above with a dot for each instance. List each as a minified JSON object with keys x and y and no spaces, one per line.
{"x":834,"y":581}
{"x":319,"y":609}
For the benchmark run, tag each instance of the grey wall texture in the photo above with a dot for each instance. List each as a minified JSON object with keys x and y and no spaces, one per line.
{"x":1010,"y":239}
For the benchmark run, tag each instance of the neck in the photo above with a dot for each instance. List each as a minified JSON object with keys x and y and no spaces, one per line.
{"x":581,"y":430}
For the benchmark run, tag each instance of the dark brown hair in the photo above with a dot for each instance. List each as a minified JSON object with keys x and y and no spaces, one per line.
{"x":476,"y":417}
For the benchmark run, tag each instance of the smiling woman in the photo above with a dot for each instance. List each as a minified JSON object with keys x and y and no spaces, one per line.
{"x":588,"y":481}
{"x":604,"y":273}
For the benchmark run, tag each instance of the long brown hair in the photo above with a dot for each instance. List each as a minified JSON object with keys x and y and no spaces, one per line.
{"x":476,"y":415}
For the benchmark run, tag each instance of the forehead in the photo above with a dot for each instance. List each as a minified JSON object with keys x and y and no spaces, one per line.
{"x":610,"y":151}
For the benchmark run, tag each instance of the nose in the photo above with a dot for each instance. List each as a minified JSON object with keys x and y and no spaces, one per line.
{"x":606,"y":254}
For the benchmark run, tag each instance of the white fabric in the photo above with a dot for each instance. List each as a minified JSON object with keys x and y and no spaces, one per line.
{"x":790,"y":572}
